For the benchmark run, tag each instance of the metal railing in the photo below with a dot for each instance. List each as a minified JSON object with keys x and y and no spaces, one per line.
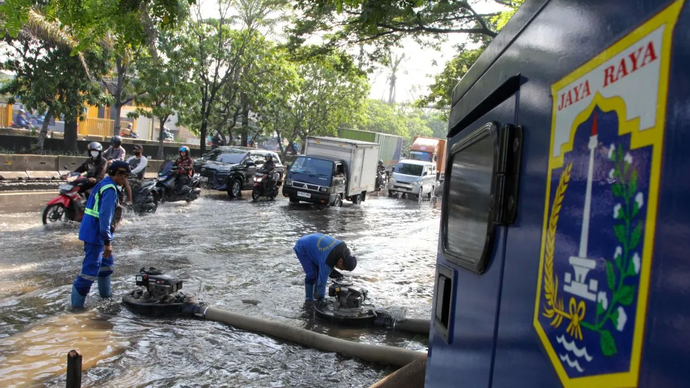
{"x":96,"y":127}
{"x":5,"y":115}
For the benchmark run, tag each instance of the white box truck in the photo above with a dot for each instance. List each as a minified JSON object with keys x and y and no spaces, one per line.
{"x":332,"y":170}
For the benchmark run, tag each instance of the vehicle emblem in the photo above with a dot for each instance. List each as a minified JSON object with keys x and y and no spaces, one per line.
{"x":599,"y":214}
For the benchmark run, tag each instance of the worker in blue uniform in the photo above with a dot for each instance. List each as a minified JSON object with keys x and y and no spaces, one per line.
{"x":97,"y":235}
{"x":319,"y":255}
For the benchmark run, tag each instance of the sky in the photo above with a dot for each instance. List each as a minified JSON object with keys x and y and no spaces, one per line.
{"x":422,"y":64}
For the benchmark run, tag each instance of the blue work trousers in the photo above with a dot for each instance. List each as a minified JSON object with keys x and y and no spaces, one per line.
{"x":93,"y":267}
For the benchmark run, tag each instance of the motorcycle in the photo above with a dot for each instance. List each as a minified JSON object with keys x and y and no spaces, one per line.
{"x":259,"y":189}
{"x":166,"y":185}
{"x":144,"y":196}
{"x":381,"y":179}
{"x":70,"y":204}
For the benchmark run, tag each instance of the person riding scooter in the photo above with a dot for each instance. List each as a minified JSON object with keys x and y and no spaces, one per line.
{"x":380,"y":175}
{"x":115,"y":151}
{"x":94,"y":166}
{"x":138,"y":162}
{"x":267,"y":169}
{"x":185,"y":170}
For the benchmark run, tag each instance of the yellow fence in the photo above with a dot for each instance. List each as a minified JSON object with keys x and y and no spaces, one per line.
{"x":96,"y":127}
{"x":5,"y":115}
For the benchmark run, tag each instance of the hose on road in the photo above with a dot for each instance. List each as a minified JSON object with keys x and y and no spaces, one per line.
{"x":373,"y":353}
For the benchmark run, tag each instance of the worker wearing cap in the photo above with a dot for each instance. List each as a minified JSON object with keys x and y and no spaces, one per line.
{"x":96,"y":233}
{"x":319,"y":255}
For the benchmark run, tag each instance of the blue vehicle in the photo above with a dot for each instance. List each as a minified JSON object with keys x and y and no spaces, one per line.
{"x":565,"y":226}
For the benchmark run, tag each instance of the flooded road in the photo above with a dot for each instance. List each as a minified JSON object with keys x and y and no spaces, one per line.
{"x":235,"y":255}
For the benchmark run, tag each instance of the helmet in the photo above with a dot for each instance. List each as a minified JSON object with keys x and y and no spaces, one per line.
{"x":95,"y":146}
{"x":119,"y":166}
{"x":137,"y":147}
{"x":380,"y":161}
{"x":185,"y":149}
{"x":269,"y":157}
{"x":116,"y":140}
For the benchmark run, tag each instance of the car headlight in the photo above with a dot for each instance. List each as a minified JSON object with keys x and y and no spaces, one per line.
{"x":323,"y":189}
{"x":288,"y":182}
{"x":416,"y":183}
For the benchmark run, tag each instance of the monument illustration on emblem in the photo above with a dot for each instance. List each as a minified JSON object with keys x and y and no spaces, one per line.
{"x":581,"y":263}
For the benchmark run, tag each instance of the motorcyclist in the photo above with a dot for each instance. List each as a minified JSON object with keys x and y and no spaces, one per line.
{"x":115,"y":151}
{"x":138,"y":162}
{"x":380,"y":173}
{"x":267,"y":169}
{"x":94,"y":166}
{"x":21,"y":121}
{"x":185,"y":170}
{"x":129,"y":132}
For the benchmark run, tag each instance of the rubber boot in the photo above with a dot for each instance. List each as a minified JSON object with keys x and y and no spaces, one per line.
{"x":104,"y":286}
{"x":308,"y":291}
{"x":77,"y":299}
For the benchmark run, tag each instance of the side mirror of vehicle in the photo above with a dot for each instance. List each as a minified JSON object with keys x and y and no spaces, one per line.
{"x":249,"y":163}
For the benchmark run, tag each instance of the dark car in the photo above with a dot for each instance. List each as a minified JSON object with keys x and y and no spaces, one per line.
{"x":232,"y":169}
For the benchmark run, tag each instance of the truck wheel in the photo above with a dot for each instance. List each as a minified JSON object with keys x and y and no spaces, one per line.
{"x":235,"y":189}
{"x":355,"y":199}
{"x":428,"y":196}
{"x":391,"y":193}
{"x":338,"y":202}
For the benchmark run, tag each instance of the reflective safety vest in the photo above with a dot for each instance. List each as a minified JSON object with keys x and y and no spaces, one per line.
{"x":93,"y":211}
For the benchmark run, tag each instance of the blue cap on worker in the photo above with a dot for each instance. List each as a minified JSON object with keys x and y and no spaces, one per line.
{"x":119,"y":166}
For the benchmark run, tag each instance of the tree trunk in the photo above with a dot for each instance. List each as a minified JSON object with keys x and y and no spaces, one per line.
{"x":121,"y":73}
{"x":161,"y":153}
{"x":283,"y":150}
{"x":71,"y":135}
{"x":203,"y":135}
{"x":245,"y":118}
{"x":44,"y":130}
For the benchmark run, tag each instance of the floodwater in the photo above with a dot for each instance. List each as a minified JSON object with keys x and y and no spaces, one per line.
{"x":235,"y":255}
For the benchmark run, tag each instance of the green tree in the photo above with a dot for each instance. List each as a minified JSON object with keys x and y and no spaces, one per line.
{"x":386,"y":22}
{"x":440,"y":92}
{"x":215,"y":52}
{"x":251,"y":15}
{"x":384,"y":118}
{"x":50,"y":80}
{"x":442,"y":88}
{"x":163,"y":84}
{"x":327,"y":94}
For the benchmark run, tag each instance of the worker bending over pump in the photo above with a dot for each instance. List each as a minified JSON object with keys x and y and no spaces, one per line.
{"x":320,"y":254}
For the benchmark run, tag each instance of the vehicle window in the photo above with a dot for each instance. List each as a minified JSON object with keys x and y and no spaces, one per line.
{"x":409,"y":169}
{"x":258,"y":158}
{"x":227,"y":157}
{"x":467,"y":220}
{"x":312,"y":166}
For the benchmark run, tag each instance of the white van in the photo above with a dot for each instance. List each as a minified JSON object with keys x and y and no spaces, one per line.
{"x":413,"y":177}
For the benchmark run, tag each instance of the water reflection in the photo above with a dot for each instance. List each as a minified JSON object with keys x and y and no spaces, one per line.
{"x":235,"y":255}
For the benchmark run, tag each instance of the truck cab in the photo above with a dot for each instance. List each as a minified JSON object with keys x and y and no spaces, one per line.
{"x":316,"y":180}
{"x":413,"y":177}
{"x":429,"y":149}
